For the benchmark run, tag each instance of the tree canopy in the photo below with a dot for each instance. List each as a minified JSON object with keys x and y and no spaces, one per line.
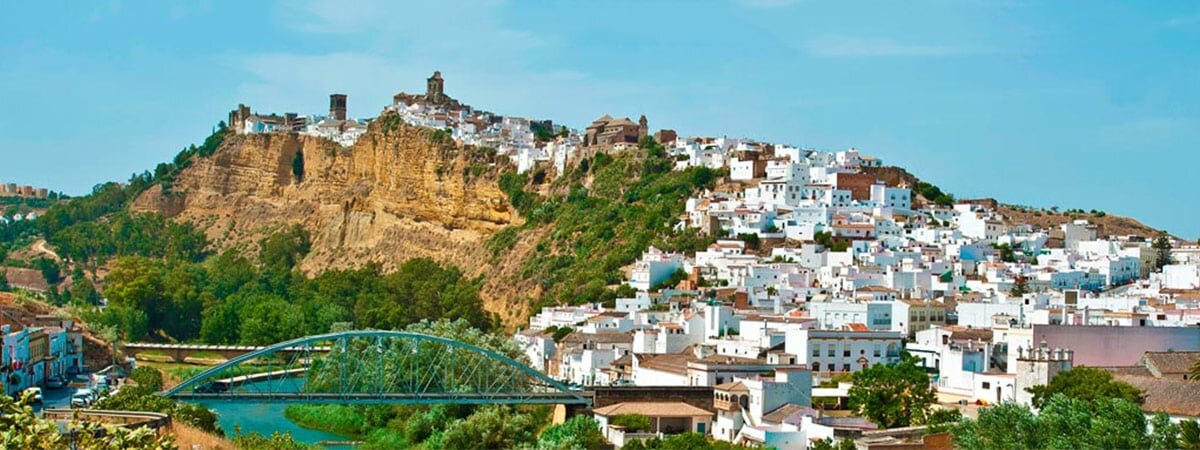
{"x":230,"y":299}
{"x":1066,"y":423}
{"x":893,"y":395}
{"x":1085,"y":383}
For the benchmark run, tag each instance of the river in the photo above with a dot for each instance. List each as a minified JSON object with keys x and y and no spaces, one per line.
{"x":265,"y":419}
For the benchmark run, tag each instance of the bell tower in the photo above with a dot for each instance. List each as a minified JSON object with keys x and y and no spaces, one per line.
{"x":337,"y":106}
{"x":435,"y":88}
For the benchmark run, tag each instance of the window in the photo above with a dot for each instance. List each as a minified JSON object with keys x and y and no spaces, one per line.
{"x":987,"y":385}
{"x":831,"y":367}
{"x":816,"y":350}
{"x":832,"y":351}
{"x":816,"y":367}
{"x":845,"y":367}
{"x":846,"y":351}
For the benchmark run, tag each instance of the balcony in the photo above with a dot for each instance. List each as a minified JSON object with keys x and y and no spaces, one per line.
{"x":725,"y":405}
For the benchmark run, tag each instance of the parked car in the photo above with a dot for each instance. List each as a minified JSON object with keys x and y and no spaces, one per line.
{"x":56,"y":383}
{"x":82,"y":398}
{"x":37,"y":394}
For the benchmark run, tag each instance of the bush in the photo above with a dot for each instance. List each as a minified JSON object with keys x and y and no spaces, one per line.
{"x":147,"y":377}
{"x":633,"y":423}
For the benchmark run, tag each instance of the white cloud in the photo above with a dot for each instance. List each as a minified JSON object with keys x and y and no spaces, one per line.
{"x":847,"y":46}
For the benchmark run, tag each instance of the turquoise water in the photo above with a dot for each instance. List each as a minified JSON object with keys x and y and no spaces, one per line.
{"x":265,"y":419}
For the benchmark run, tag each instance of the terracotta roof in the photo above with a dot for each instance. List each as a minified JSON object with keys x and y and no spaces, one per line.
{"x":875,"y":289}
{"x":1172,"y":362}
{"x":669,"y":362}
{"x":858,"y":327}
{"x":1136,"y":371}
{"x":652,"y":409}
{"x":1172,"y":396}
{"x":732,"y":386}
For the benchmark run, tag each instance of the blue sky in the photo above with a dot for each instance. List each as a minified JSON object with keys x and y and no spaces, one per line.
{"x":1092,"y":105}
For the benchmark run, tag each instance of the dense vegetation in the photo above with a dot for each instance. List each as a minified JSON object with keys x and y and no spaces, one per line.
{"x":592,"y":230}
{"x":934,"y":194}
{"x":1085,"y":383}
{"x":83,"y":229}
{"x":1068,"y":423}
{"x":229,"y":298}
{"x":21,"y":428}
{"x":144,"y":397}
{"x":1080,"y":408}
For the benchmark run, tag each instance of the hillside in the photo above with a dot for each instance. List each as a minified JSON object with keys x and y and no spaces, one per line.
{"x":1108,"y":224}
{"x":401,"y":192}
{"x":404,"y":192}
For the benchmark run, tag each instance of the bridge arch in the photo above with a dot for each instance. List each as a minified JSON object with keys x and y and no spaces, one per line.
{"x":375,"y":366}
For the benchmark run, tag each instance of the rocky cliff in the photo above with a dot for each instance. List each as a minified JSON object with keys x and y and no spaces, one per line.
{"x":400,"y":192}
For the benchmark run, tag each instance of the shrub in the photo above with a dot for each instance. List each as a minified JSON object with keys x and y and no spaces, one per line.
{"x":632,"y":422}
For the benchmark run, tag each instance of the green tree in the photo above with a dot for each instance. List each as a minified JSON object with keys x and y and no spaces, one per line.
{"x":267,"y":319}
{"x":1064,"y":423}
{"x":892,"y":395}
{"x":1084,"y":383}
{"x":577,"y":433}
{"x":490,"y":427}
{"x":50,"y":270}
{"x":82,"y":291}
{"x":632,"y":422}
{"x":1020,"y":286}
{"x":148,"y":377}
{"x":943,"y":419}
{"x":1189,"y":435}
{"x":1162,"y":251}
{"x":1164,"y":435}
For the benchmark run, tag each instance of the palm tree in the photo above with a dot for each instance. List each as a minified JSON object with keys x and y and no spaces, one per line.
{"x":1194,"y":373}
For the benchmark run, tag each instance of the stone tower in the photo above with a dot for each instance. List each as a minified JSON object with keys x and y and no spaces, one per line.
{"x":337,"y":106}
{"x":643,"y":127}
{"x":1038,"y":366}
{"x":435,"y":88}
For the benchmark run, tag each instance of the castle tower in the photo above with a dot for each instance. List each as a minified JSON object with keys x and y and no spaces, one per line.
{"x":337,"y":106}
{"x":435,"y":88}
{"x":643,"y":127}
{"x":1039,"y":365}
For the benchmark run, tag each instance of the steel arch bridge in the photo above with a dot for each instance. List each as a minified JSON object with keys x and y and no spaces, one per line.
{"x":375,"y":367}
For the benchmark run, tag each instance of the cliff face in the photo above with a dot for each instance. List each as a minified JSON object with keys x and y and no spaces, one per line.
{"x":399,"y":193}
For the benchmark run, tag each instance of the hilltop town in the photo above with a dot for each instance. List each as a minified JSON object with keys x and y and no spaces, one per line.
{"x":820,"y":267}
{"x":742,"y":290}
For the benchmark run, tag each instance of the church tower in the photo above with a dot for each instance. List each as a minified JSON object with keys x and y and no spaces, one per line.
{"x":643,"y":127}
{"x":337,"y":106}
{"x":434,"y":88}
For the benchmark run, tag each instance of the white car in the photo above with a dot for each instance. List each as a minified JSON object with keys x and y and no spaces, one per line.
{"x":82,"y":398}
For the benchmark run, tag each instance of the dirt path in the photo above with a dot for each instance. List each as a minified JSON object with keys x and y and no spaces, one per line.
{"x":40,"y":247}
